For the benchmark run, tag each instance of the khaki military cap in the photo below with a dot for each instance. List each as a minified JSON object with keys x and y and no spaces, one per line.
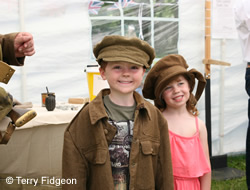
{"x":127,"y":49}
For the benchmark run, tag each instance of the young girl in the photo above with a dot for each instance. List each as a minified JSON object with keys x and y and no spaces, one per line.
{"x":170,"y":85}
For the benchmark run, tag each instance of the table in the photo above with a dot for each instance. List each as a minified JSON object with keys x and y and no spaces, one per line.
{"x":35,"y":149}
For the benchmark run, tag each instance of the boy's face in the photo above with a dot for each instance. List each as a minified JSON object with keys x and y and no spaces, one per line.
{"x":123,"y":77}
{"x":177,"y":92}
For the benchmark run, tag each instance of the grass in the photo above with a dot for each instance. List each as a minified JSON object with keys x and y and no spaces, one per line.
{"x":237,"y":162}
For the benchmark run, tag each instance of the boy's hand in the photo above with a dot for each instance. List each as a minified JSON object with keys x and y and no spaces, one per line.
{"x":24,"y":44}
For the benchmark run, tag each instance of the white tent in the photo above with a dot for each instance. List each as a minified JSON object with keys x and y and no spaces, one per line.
{"x":63,"y":43}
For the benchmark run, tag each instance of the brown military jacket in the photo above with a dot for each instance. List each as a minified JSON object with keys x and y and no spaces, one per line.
{"x":86,"y":154}
{"x":7,"y":57}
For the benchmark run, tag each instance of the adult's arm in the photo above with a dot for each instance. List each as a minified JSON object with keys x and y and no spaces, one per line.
{"x":8,"y":50}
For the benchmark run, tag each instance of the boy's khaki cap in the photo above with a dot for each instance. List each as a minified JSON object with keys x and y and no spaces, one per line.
{"x":128,"y":49}
{"x":163,"y":72}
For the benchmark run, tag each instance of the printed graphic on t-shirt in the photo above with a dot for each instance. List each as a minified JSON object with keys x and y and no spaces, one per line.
{"x":119,"y":153}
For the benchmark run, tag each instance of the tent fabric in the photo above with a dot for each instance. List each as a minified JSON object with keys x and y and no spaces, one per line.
{"x":63,"y":43}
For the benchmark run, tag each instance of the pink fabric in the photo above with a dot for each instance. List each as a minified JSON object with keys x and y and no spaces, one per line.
{"x":188,"y":159}
{"x":186,"y":183}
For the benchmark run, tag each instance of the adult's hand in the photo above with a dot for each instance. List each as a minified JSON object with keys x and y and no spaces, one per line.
{"x":24,"y":44}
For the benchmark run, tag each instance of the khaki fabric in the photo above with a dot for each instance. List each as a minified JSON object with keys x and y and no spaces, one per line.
{"x":8,"y":50}
{"x":121,"y":48}
{"x":164,"y":71}
{"x":7,"y":58}
{"x":86,"y":155}
{"x":6,"y":72}
{"x":5,"y":103}
{"x":5,"y":99}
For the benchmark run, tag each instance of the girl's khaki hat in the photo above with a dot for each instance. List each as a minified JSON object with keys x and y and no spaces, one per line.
{"x":128,"y":49}
{"x":163,"y":72}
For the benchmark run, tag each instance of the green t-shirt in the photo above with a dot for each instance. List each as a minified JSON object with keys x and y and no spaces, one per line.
{"x":122,"y":117}
{"x":117,"y":112}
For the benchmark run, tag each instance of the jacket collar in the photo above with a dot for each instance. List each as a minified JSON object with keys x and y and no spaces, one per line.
{"x":97,"y":110}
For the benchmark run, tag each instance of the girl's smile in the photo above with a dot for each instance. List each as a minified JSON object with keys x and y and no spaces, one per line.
{"x":177,"y":92}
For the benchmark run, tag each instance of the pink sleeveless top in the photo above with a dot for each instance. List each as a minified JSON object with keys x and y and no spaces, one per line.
{"x":188,"y":159}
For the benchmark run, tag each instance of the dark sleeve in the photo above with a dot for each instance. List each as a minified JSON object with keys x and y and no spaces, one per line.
{"x":248,"y":81}
{"x":8,"y":51}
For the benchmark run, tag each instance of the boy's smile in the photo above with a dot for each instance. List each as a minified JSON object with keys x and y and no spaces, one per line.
{"x":123,"y":77}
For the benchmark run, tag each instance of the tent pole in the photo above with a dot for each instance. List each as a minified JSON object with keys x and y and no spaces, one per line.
{"x":23,"y":70}
{"x":221,"y":160}
{"x":207,"y":72}
{"x":221,"y":118}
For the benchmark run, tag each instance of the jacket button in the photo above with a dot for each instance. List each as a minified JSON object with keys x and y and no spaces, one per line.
{"x":106,"y":131}
{"x":133,"y":164}
{"x":136,"y":141}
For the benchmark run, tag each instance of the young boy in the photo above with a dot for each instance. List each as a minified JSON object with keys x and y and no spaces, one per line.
{"x":119,"y":140}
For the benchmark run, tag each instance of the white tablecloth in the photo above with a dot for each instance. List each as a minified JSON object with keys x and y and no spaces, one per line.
{"x":35,"y":149}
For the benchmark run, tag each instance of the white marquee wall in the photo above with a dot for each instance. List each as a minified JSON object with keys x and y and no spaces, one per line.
{"x":61,"y":31}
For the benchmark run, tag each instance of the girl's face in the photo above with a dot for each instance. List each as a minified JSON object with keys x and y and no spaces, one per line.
{"x":177,"y":92}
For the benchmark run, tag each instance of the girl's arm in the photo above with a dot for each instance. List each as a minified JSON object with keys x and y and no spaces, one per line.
{"x":205,"y":180}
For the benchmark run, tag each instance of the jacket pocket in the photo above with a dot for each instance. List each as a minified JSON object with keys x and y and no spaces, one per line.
{"x":98,"y":169}
{"x":149,"y":147}
{"x":147,"y":165}
{"x":96,"y":155}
